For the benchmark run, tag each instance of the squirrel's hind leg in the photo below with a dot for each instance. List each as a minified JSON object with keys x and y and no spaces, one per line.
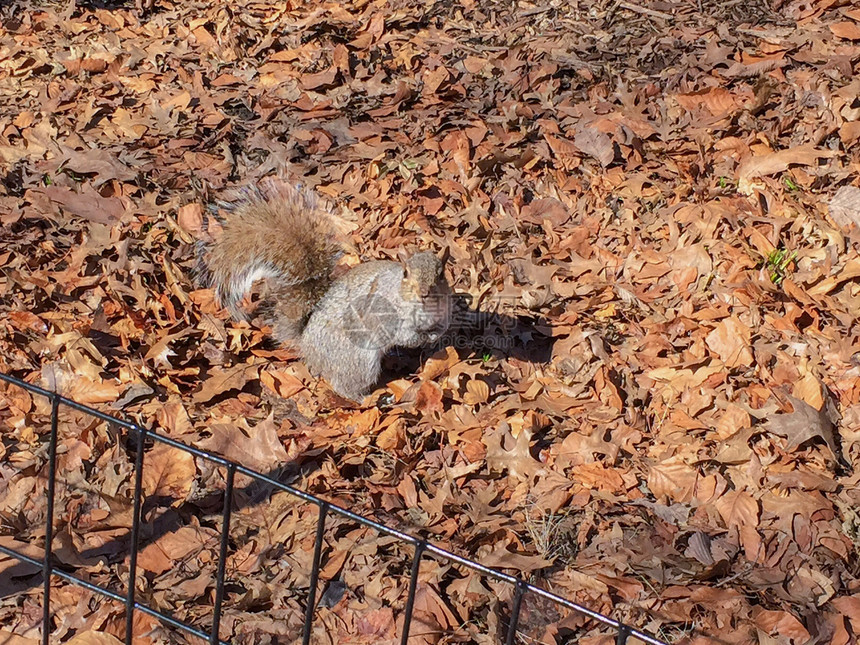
{"x":352,"y":375}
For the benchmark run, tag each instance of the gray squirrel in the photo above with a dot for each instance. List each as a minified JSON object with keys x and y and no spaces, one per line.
{"x":279,"y":233}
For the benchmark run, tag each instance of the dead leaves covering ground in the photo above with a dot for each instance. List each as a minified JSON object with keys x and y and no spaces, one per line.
{"x":663,"y":198}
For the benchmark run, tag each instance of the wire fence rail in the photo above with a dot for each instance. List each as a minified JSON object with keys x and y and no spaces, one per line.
{"x":140,"y":435}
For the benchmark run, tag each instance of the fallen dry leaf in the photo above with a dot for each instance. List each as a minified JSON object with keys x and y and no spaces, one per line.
{"x":738,"y":510}
{"x":802,"y":425}
{"x":506,"y":453}
{"x":169,"y":472}
{"x":847,"y":30}
{"x":224,"y":380}
{"x":730,"y":340}
{"x":596,"y":144}
{"x":87,"y":204}
{"x":8,"y":638}
{"x":780,"y":160}
{"x":845,"y":207}
{"x":257,"y":447}
{"x":93,"y":638}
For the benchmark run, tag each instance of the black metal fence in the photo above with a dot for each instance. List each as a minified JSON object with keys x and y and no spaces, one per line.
{"x":141,"y":435}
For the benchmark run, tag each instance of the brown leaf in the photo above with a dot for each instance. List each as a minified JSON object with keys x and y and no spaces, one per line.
{"x":846,"y":30}
{"x":434,"y":79}
{"x":378,"y":624}
{"x":699,"y":547}
{"x":92,"y":638}
{"x":8,"y":638}
{"x":431,"y":618}
{"x":13,"y":572}
{"x":258,"y":447}
{"x":179,"y":101}
{"x":100,"y":163}
{"x":779,"y":161}
{"x":477,"y":391}
{"x":87,"y":204}
{"x":168,"y":472}
{"x":673,"y":478}
{"x":83,"y":390}
{"x":371,"y":33}
{"x":27,"y":320}
{"x":849,"y":132}
{"x":845,"y":207}
{"x":752,"y":67}
{"x":456,"y":143}
{"x":501,"y":558}
{"x":364,"y":422}
{"x":162,"y":555}
{"x":392,"y":438}
{"x":504,"y":452}
{"x":717,"y":100}
{"x":545,"y":209}
{"x":850,"y":271}
{"x":564,"y":150}
{"x":730,"y":341}
{"x":429,"y":397}
{"x":803,"y":424}
{"x":738,"y":509}
{"x":281,"y":383}
{"x":809,"y":390}
{"x":474,"y":64}
{"x":849,"y":606}
{"x":682,"y":378}
{"x":190,"y":218}
{"x":174,"y":419}
{"x":85,"y":64}
{"x":439,"y":363}
{"x":224,"y":380}
{"x":204,"y":38}
{"x":733,"y":420}
{"x":595,"y":144}
{"x":596,"y":475}
{"x":316,"y":81}
{"x":782,"y":624}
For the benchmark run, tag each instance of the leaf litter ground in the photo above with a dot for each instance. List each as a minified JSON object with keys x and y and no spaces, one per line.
{"x":655,"y":209}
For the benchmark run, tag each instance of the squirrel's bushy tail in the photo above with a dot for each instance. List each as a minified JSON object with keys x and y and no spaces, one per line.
{"x":279,"y":232}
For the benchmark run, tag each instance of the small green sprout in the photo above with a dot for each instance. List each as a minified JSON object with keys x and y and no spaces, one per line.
{"x":486,"y":357}
{"x":777,"y":264}
{"x":789,"y":183}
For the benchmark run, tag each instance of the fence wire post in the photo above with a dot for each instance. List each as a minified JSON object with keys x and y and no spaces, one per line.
{"x":222,"y":554}
{"x":519,"y":592}
{"x":413,"y":585}
{"x":48,"y":564}
{"x":315,"y":574}
{"x":622,"y":635}
{"x":135,"y":533}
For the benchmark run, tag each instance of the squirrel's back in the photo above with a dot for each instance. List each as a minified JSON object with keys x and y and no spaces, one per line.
{"x":278,"y":231}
